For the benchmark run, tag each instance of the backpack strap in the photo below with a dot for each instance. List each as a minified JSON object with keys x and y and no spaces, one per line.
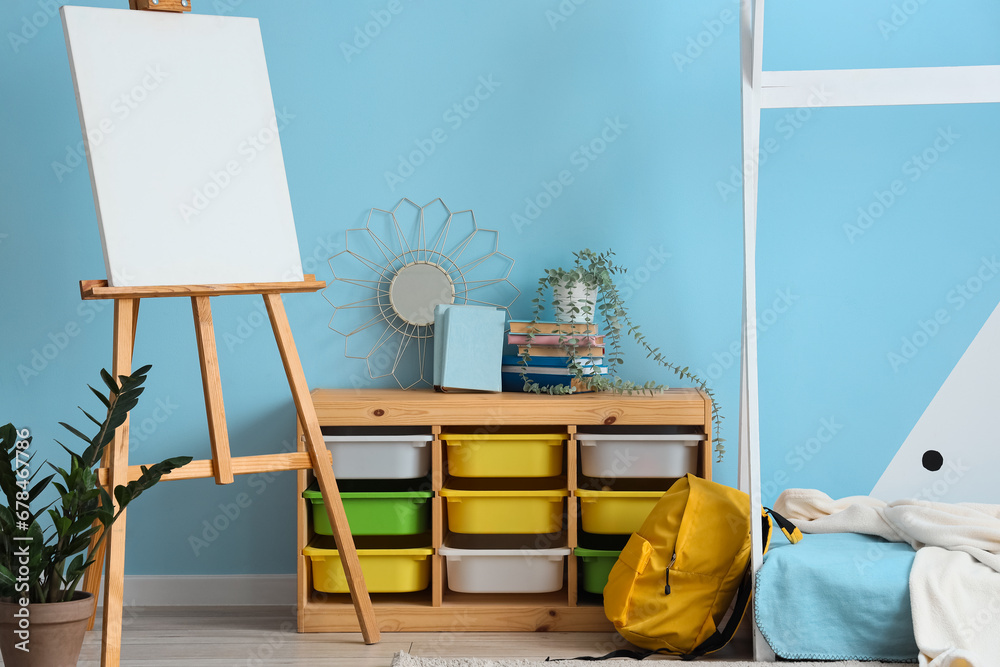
{"x":793,"y":534}
{"x":620,"y":653}
{"x":724,"y":635}
{"x":718,"y":639}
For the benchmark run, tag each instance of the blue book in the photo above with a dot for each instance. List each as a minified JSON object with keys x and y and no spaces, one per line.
{"x":468,"y":346}
{"x":557,"y":362}
{"x":548,"y":370}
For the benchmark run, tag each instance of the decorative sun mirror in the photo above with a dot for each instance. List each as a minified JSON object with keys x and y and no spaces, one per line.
{"x":417,"y":288}
{"x":396,"y":269}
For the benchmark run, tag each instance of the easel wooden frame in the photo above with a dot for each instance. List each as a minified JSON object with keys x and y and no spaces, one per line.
{"x":115,"y":468}
{"x":221,"y":466}
{"x":778,"y":90}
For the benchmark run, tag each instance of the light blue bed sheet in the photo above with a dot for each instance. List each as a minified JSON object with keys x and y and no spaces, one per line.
{"x":837,"y":597}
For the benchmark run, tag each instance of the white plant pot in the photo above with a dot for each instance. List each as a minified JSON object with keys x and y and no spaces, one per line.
{"x":579,"y":295}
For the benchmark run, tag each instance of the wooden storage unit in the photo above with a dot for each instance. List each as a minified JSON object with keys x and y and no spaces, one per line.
{"x":439,"y":609}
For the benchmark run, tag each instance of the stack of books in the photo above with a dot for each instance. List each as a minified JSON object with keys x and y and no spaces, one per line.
{"x":549,"y":358}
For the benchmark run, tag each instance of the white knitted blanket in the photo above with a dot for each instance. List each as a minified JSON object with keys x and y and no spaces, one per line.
{"x":955,"y":579}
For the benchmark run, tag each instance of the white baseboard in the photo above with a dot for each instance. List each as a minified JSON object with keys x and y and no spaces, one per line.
{"x":207,"y":590}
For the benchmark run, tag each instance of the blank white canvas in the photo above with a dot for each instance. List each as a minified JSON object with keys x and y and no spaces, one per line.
{"x":182,"y":138}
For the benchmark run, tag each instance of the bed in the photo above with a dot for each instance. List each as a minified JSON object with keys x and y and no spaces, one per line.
{"x":830,"y":580}
{"x":840,"y":596}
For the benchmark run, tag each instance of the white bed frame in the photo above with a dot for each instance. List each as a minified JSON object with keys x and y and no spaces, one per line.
{"x":841,"y":88}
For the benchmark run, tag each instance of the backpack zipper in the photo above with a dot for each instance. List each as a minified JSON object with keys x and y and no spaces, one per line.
{"x":666,"y":575}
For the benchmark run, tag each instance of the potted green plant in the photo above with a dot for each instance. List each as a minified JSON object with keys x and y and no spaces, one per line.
{"x":574,"y":293}
{"x":43,"y":616}
{"x":586,"y":292}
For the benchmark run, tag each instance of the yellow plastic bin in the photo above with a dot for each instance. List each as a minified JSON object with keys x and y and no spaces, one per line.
{"x":385,"y":570}
{"x":504,"y":454}
{"x":615,"y":512}
{"x":501,"y":512}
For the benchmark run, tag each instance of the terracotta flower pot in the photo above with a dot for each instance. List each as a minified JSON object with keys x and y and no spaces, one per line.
{"x":54,"y":632}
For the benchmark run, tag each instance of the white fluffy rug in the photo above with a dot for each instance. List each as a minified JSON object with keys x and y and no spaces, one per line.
{"x":406,"y":660}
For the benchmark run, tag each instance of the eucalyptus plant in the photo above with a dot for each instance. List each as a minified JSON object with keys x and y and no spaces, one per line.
{"x":57,"y":558}
{"x":596,"y":271}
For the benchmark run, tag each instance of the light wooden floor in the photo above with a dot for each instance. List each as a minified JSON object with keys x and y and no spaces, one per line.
{"x":266,"y":636}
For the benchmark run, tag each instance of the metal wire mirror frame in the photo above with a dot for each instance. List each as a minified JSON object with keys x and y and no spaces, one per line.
{"x":395,"y":255}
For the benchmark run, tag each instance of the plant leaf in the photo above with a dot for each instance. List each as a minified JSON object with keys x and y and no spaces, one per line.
{"x":99,"y":395}
{"x":76,"y":432}
{"x":126,"y":493}
{"x":6,"y":577}
{"x":91,"y":418}
{"x":38,"y":487}
{"x":110,"y":381}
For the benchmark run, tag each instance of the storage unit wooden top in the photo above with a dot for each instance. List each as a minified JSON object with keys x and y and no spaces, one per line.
{"x":396,"y":407}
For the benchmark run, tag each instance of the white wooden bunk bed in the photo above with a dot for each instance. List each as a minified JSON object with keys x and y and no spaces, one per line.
{"x":792,"y":89}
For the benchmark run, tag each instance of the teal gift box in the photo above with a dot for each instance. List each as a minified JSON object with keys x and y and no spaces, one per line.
{"x":468,"y":346}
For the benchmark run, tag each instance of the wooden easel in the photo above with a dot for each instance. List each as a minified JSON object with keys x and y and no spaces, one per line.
{"x":222,"y":466}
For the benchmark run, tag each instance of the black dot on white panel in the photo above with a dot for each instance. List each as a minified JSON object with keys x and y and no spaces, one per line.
{"x":932,"y":460}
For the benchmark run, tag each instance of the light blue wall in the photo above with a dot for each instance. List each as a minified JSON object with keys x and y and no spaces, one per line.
{"x":660,"y":187}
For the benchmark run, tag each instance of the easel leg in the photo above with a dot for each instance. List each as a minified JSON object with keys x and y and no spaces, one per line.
{"x":218,"y":434}
{"x":322,"y":469}
{"x":114,"y":576}
{"x":92,"y":577}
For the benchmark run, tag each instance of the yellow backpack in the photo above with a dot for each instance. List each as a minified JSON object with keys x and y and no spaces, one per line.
{"x":677,"y":576}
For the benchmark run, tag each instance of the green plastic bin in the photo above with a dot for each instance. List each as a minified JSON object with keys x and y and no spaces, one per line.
{"x":376,"y":512}
{"x":597,"y":564}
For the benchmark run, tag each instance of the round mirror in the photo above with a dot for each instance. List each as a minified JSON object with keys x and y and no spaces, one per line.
{"x":417,"y":288}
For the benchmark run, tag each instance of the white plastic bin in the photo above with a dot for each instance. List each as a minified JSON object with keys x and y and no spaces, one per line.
{"x":380,"y":456}
{"x":611,"y":455}
{"x":504,"y":570}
